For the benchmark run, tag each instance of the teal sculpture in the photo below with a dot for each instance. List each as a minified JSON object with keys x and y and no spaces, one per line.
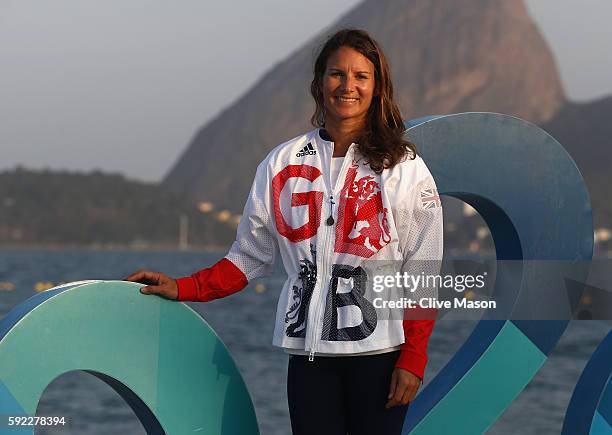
{"x":534,"y":200}
{"x":160,"y":356}
{"x":590,"y":408}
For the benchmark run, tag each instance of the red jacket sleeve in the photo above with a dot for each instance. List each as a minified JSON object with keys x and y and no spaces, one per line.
{"x":220,"y":280}
{"x":418,"y":326}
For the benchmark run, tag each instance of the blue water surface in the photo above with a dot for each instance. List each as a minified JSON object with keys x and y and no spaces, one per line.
{"x":245,"y":322}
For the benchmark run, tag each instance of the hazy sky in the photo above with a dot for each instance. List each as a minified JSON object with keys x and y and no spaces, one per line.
{"x":123,"y":85}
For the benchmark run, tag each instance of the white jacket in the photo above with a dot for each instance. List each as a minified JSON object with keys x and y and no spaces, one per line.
{"x":390,"y":217}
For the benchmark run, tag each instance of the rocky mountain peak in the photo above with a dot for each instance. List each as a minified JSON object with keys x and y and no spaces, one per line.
{"x":446,"y":56}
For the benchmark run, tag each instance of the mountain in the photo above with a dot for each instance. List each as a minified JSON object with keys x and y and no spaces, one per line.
{"x":446,"y":56}
{"x":585,"y":130}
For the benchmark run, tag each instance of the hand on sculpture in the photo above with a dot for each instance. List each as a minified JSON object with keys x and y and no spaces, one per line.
{"x":157,"y":284}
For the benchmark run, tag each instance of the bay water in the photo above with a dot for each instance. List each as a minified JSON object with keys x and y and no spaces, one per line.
{"x":245,"y":322}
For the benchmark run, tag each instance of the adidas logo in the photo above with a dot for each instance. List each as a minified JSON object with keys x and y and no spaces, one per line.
{"x":308,"y":150}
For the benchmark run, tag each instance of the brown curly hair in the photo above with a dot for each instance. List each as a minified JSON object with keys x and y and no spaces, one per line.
{"x":382,"y":142}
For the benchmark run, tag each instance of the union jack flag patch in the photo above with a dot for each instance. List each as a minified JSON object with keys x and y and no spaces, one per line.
{"x":430,"y":198}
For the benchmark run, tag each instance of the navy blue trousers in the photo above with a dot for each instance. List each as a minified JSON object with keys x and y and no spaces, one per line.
{"x":340,"y":395}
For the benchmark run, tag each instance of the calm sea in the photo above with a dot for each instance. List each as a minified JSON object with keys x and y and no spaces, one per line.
{"x":245,"y":322}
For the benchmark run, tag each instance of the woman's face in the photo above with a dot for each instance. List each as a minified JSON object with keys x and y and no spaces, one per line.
{"x":348,"y":85}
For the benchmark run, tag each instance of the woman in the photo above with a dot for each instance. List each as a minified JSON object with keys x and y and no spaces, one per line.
{"x":335,"y":202}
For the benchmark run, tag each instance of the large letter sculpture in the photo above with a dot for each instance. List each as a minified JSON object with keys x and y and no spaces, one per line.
{"x":590,"y":409}
{"x":530,"y":193}
{"x":160,"y":356}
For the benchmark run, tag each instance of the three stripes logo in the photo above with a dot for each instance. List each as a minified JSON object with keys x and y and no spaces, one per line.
{"x":308,"y":150}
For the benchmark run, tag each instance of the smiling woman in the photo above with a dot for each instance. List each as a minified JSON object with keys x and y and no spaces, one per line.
{"x":352,"y":88}
{"x":348,"y":85}
{"x":327,"y":201}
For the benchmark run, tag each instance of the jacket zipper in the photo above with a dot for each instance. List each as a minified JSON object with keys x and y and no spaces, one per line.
{"x":324,"y":263}
{"x":324,"y":274}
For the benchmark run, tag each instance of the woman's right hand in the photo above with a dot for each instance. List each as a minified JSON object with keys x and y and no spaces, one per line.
{"x":158,"y":284}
